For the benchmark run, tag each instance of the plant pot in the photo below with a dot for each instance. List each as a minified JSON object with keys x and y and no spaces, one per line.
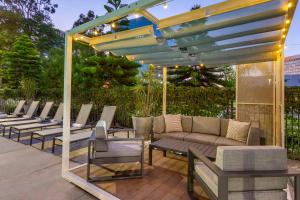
{"x":142,"y":126}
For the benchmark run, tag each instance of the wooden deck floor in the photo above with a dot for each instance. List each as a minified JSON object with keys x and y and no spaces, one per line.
{"x":165,"y":179}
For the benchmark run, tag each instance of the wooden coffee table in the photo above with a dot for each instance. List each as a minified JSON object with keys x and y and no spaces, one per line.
{"x":182,"y":147}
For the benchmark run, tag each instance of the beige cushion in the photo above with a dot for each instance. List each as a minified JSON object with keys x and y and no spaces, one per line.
{"x":238,"y":130}
{"x":175,"y":135}
{"x":173,"y":123}
{"x":201,"y":138}
{"x":239,"y":185}
{"x":186,"y":122}
{"x":159,"y":124}
{"x":222,"y":141}
{"x":224,"y":127}
{"x":207,"y":125}
{"x":120,"y":148}
{"x":248,"y":158}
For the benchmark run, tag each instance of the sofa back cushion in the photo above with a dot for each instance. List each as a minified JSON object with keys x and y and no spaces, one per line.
{"x":238,"y":130}
{"x":251,"y":158}
{"x":186,"y":122}
{"x":224,"y":127}
{"x":159,"y":124}
{"x":206,"y":125}
{"x":173,"y":123}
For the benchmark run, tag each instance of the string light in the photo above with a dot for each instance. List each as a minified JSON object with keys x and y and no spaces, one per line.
{"x":113,"y":25}
{"x":283,"y":36}
{"x":95,"y":32}
{"x":176,"y":66}
{"x":76,"y":38}
{"x":201,"y":65}
{"x":288,"y":21}
{"x":290,"y":5}
{"x":81,"y":37}
{"x":136,"y":15}
{"x":165,"y":6}
{"x":284,"y":29}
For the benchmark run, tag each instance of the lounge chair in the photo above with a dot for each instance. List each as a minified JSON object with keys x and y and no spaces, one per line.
{"x":29,"y":114}
{"x":243,"y":173}
{"x":56,"y":121}
{"x":103,"y":150}
{"x":107,"y":116}
{"x":42,"y":117}
{"x":80,"y":124}
{"x":16,"y":113}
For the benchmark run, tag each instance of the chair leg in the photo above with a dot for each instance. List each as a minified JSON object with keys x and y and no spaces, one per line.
{"x":88,"y":171}
{"x":150,"y":155}
{"x":297,"y":188}
{"x":19,"y":134}
{"x":43,"y":142}
{"x":53,"y":145}
{"x":165,"y":153}
{"x":31,"y":138}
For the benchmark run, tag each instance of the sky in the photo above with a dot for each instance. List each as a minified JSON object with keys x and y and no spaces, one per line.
{"x":69,"y":11}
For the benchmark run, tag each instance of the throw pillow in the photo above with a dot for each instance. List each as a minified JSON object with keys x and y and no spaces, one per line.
{"x":173,"y":123}
{"x":206,"y":125}
{"x":238,"y":130}
{"x":159,"y":124}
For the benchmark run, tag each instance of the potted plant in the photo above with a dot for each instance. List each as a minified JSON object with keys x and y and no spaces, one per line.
{"x":142,"y":120}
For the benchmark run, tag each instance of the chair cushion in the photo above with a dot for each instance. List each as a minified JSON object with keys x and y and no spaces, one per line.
{"x":173,"y":123}
{"x":222,"y":141}
{"x":101,"y":135}
{"x":187,"y":123}
{"x":159,"y":124}
{"x":201,"y":138}
{"x":77,"y":125}
{"x":207,"y":125}
{"x":260,"y":186}
{"x":120,"y":149}
{"x":248,"y":158}
{"x":238,"y":130}
{"x":224,"y":127}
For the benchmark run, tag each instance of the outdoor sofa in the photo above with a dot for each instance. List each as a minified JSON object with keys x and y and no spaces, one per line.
{"x":206,"y":130}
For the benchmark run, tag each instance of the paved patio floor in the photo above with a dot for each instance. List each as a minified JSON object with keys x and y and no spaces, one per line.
{"x":27,"y":173}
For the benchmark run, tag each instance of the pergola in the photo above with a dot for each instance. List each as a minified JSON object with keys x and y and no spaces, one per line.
{"x":247,"y":33}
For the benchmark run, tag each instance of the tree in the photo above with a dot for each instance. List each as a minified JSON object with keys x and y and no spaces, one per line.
{"x":121,"y":24}
{"x":197,"y":76}
{"x":21,"y":62}
{"x":10,"y":27}
{"x":100,"y":71}
{"x":31,"y":17}
{"x":86,"y":18}
{"x":196,"y":6}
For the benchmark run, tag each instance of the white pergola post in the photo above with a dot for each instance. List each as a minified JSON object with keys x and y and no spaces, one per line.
{"x":164,"y":109}
{"x":67,"y":103}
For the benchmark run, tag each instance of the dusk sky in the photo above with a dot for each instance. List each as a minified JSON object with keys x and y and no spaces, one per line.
{"x":69,"y":10}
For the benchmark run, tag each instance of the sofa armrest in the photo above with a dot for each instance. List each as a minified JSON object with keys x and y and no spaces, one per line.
{"x":254,"y":136}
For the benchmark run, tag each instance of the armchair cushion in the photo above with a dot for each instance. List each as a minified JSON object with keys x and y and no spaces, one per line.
{"x":248,"y":158}
{"x":159,"y":124}
{"x":121,"y":149}
{"x":241,"y":184}
{"x":206,"y":125}
{"x":238,"y":130}
{"x":101,"y":135}
{"x":173,"y":123}
{"x":245,"y":189}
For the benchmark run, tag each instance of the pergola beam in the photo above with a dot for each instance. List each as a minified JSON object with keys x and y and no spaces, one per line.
{"x":135,"y":7}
